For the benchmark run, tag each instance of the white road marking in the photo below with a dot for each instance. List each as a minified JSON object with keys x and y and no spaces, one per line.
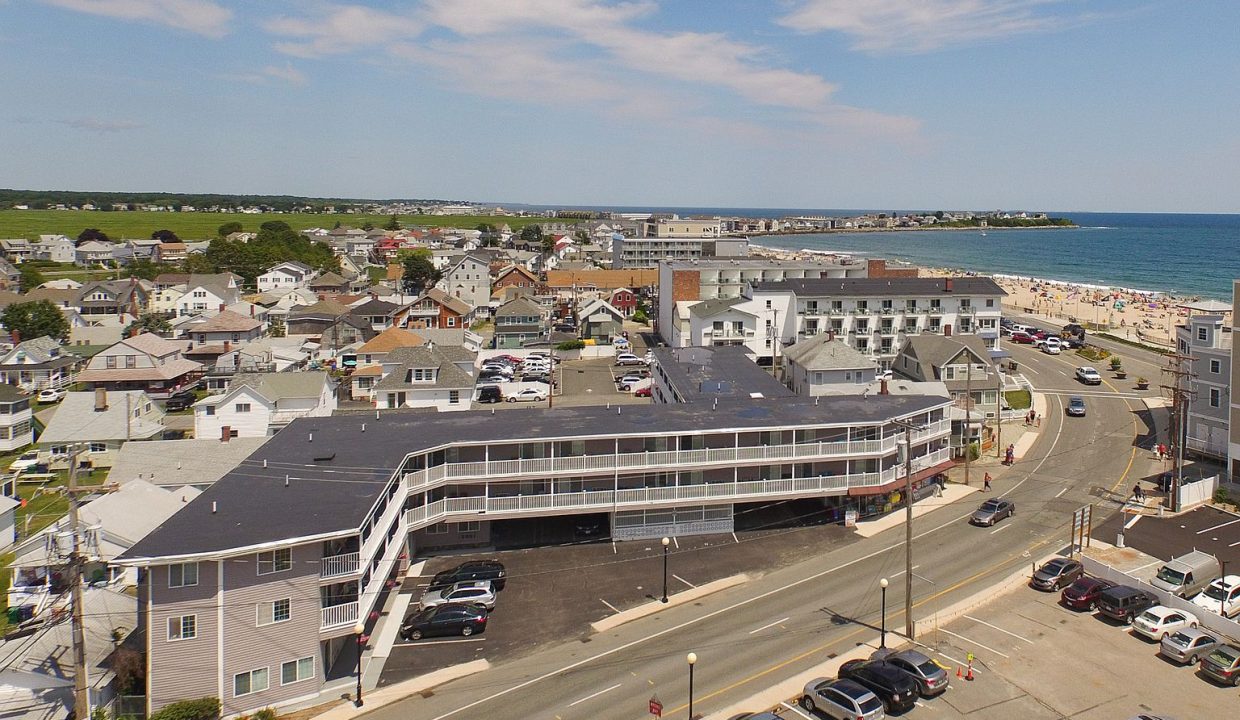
{"x":962,"y":637}
{"x":683,"y":580}
{"x":613,"y":607}
{"x":1133,"y":521}
{"x":676,"y":541}
{"x":591,"y":697}
{"x":1216,"y":527}
{"x":949,"y":657}
{"x":1234,"y":544}
{"x":898,"y":574}
{"x":1061,"y":492}
{"x":1001,"y":527}
{"x":768,"y":625}
{"x":432,"y":643}
{"x":798,"y":711}
{"x":996,"y":627}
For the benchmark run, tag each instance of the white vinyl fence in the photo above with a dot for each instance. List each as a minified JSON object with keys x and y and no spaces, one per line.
{"x":1197,"y":493}
{"x":1215,"y":623}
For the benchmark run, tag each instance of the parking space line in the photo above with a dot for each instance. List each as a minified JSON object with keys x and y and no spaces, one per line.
{"x":1216,"y":527}
{"x":591,"y":697}
{"x":613,"y":607}
{"x":1061,"y":492}
{"x":949,"y":657}
{"x":1234,"y":544}
{"x":1133,"y":521}
{"x":798,"y":711}
{"x":432,"y":643}
{"x":683,"y":580}
{"x":962,"y":637}
{"x":996,"y":627}
{"x":1001,"y":527}
{"x":768,"y":625}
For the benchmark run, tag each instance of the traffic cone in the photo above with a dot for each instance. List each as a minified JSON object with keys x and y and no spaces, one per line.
{"x":958,"y":673}
{"x":969,"y":677}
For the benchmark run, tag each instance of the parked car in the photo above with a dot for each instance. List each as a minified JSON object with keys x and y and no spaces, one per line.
{"x":1223,"y":665}
{"x":1071,"y":342}
{"x":26,"y":461}
{"x":544,"y":378}
{"x":1188,"y":646}
{"x":1083,"y":593}
{"x":180,"y":401}
{"x":468,"y":592}
{"x":1160,"y":621}
{"x":511,"y":359}
{"x":629,"y":359}
{"x":473,"y":570}
{"x":893,"y":686}
{"x":1124,"y":603}
{"x":1222,"y":597}
{"x":542,"y":356}
{"x":564,"y":328}
{"x":449,"y":619}
{"x":1088,"y":375}
{"x":643,"y":392}
{"x":1076,"y":406}
{"x":1021,"y":337}
{"x":992,"y":511}
{"x":842,"y":700}
{"x":1051,"y":345}
{"x":496,"y":369}
{"x":490,"y":394}
{"x":528,"y":395}
{"x":931,"y":679}
{"x":628,"y":381}
{"x":51,"y":395}
{"x":1056,"y":574}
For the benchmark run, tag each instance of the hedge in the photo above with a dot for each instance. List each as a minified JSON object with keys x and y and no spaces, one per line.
{"x":207,"y":708}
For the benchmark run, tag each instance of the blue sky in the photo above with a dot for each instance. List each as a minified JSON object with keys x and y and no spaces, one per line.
{"x":1129,"y":105}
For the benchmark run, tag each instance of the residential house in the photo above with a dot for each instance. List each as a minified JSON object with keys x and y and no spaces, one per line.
{"x":518,"y":322}
{"x":208,"y":292}
{"x":114,"y":297}
{"x":289,"y":274}
{"x":314,"y":319}
{"x":437,"y":309}
{"x":98,"y":423}
{"x":15,"y":428}
{"x":145,"y":362}
{"x":226,"y":326}
{"x":172,"y":464}
{"x":424,"y":376}
{"x":8,"y":526}
{"x":723,"y":321}
{"x":63,"y":298}
{"x":624,"y":300}
{"x":520,"y":277}
{"x":574,"y":283}
{"x":10,"y":276}
{"x":261,"y":404}
{"x":329,"y":283}
{"x":370,"y":357}
{"x":818,"y":365}
{"x":1208,"y":341}
{"x":380,"y":314}
{"x":93,"y":252}
{"x":55,"y":248}
{"x":597,"y":319}
{"x":469,"y":280}
{"x":38,"y":364}
{"x":962,"y":363}
{"x":171,"y":253}
{"x":16,"y":250}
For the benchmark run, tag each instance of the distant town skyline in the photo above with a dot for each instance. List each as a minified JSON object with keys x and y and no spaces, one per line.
{"x":933,"y":104}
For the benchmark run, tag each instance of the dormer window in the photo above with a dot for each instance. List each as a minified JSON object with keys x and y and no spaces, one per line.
{"x":420,"y":375}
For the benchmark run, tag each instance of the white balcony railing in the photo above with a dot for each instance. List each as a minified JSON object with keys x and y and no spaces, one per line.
{"x":339,"y":565}
{"x":338,"y":615}
{"x":731,"y":334}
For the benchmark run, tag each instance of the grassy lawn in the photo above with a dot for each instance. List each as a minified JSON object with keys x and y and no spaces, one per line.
{"x":202,"y":226}
{"x":1018,"y":399}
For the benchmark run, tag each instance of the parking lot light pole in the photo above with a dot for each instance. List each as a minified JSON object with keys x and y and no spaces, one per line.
{"x":692,"y":658}
{"x":882,"y":584}
{"x":666,"y":542}
{"x":358,"y":629}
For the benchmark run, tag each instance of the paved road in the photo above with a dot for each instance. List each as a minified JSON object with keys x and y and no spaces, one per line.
{"x":794,"y":618}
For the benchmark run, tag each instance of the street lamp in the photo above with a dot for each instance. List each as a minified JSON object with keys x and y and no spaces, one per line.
{"x":883,"y":584}
{"x":665,"y":542}
{"x":358,"y":629}
{"x":692,"y":658}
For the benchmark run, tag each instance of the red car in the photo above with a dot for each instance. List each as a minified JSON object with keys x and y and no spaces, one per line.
{"x":644,"y":392}
{"x":1022,"y":337}
{"x":1083,"y":593}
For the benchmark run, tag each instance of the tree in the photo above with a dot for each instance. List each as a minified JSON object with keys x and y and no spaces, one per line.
{"x":31,"y":278}
{"x":581,"y":236}
{"x":150,"y":322}
{"x":420,"y":272}
{"x":31,"y":320}
{"x":145,"y":268}
{"x":938,"y":214}
{"x":229,"y":228}
{"x":165,"y":236}
{"x":393,"y":223}
{"x":368,"y":226}
{"x":532,"y":235}
{"x":92,"y":234}
{"x":490,"y":234}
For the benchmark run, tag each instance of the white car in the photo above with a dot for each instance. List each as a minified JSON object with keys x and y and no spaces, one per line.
{"x":628,"y":382}
{"x":1160,"y":621}
{"x":542,"y":357}
{"x":26,"y":461}
{"x":51,"y":395}
{"x":528,"y":395}
{"x":629,"y":359}
{"x":1052,"y":346}
{"x":1088,"y":375}
{"x":1224,"y":592}
{"x":470,"y":592}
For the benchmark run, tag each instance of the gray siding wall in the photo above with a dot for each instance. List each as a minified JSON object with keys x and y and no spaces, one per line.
{"x":182,"y":669}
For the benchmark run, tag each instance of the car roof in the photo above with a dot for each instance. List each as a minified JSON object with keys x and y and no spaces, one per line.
{"x":852,"y":689}
{"x":1059,"y":562}
{"x":912,"y":656}
{"x":1123,"y":591}
{"x":469,"y":609}
{"x":1163,"y":610}
{"x":1076,"y":399}
{"x":1193,"y":633}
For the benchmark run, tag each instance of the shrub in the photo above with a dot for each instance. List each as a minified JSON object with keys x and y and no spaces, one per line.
{"x":641,"y":317}
{"x":975,"y":451}
{"x":571,"y":345}
{"x":1222,"y":497}
{"x":265,"y":714}
{"x":207,"y":708}
{"x":1116,"y":363}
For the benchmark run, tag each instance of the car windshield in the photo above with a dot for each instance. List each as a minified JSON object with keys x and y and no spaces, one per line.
{"x":870,"y":705}
{"x":990,"y":505}
{"x":1151,"y":617}
{"x":1214,"y":592}
{"x":1167,"y":575}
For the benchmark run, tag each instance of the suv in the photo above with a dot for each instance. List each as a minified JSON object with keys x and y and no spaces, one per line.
{"x":470,"y":592}
{"x":473,"y":570}
{"x":893,"y":686}
{"x":490,"y":394}
{"x":629,"y":359}
{"x":180,"y":401}
{"x":1124,"y":603}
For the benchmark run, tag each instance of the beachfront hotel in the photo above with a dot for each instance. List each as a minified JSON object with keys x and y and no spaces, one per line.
{"x":251,"y":592}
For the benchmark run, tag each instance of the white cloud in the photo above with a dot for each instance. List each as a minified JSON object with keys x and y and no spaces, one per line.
{"x":919,"y":25}
{"x":288,"y":74}
{"x":341,"y":29}
{"x":202,"y":17}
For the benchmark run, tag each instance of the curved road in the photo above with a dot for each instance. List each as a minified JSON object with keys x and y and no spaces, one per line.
{"x":794,"y":618}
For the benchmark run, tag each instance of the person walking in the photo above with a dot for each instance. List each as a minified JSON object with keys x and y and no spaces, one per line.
{"x":1137,"y":493}
{"x":986,"y":483}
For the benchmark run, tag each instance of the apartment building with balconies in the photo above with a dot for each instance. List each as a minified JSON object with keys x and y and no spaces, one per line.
{"x":258,"y":606}
{"x":1207,"y":340}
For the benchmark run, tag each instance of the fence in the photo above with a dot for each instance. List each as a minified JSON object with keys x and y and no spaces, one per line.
{"x":129,"y":706}
{"x":1197,"y":493}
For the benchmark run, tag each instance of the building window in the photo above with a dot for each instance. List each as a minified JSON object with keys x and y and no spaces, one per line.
{"x":250,"y":682}
{"x":131,"y":361}
{"x":454,"y":397}
{"x":184,"y":627}
{"x":182,"y":575}
{"x":1201,"y":334}
{"x":965,"y":303}
{"x":208,"y":409}
{"x":97,"y":447}
{"x":296,"y":670}
{"x":437,"y":529}
{"x":990,"y":302}
{"x":1216,"y":366}
{"x":451,"y":321}
{"x":110,"y":362}
{"x":275,"y":561}
{"x":277,"y":611}
{"x":242,"y":407}
{"x":1216,"y":397}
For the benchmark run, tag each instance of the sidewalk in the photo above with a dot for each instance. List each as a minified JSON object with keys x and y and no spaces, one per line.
{"x":952,"y":493}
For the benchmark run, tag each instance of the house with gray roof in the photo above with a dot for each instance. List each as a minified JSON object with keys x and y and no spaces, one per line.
{"x":518,"y":322}
{"x":425,"y":376}
{"x":260,"y":404}
{"x":171,"y":464}
{"x":38,"y":364}
{"x":98,"y":423}
{"x":964,"y":365}
{"x":815,"y":363}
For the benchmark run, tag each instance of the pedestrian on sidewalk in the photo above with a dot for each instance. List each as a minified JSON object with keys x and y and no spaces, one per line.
{"x":986,"y":483}
{"x":1037,"y":418}
{"x":1137,"y":493}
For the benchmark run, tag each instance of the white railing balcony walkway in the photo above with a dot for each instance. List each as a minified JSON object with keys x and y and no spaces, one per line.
{"x":338,"y":565}
{"x":339,"y":615}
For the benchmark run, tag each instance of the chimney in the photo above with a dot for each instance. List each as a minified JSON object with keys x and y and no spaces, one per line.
{"x":882,"y":386}
{"x":225,"y":433}
{"x":101,"y":399}
{"x":222,"y":306}
{"x":251,"y":310}
{"x":947,"y":285}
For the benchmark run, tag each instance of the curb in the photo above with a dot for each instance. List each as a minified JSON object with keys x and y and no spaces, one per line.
{"x":377,"y":699}
{"x":680,"y":598}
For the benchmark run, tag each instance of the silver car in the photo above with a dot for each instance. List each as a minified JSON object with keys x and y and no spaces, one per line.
{"x":1188,"y":646}
{"x":469,"y":592}
{"x":842,"y":700}
{"x":992,"y":511}
{"x":931,"y":679}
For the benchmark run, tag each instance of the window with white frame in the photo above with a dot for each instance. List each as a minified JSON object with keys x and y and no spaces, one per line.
{"x":247,"y":683}
{"x":182,"y":575}
{"x":275,"y":561}
{"x":98,"y":447}
{"x":242,"y":407}
{"x":1216,"y":397}
{"x":437,"y":529}
{"x":1216,"y":366}
{"x":1202,"y":334}
{"x":276,"y":611}
{"x":183,"y":627}
{"x":296,"y":670}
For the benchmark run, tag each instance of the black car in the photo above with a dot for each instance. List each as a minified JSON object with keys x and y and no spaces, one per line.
{"x":490,"y":394}
{"x":892,"y":685}
{"x":473,"y":570}
{"x":1124,"y":603}
{"x":180,"y":401}
{"x":543,"y":378}
{"x":447,"y":619}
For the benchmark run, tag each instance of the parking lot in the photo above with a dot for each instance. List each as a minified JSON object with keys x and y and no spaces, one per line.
{"x":1205,"y":528}
{"x":590,"y":381}
{"x":1034,"y":659}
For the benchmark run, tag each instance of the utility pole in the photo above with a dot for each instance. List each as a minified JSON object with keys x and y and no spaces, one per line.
{"x":968,"y":414}
{"x":999,"y":414}
{"x":1180,"y":391}
{"x":81,"y":697}
{"x":909,"y":427}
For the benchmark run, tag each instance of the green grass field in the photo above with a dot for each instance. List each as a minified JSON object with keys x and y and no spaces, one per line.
{"x":202,"y":226}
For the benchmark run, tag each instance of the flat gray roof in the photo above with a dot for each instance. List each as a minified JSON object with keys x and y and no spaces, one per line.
{"x":701,"y":374}
{"x":896,"y":286}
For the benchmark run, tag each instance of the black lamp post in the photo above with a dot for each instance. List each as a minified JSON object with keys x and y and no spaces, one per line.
{"x":358,"y":629}
{"x":692,"y":658}
{"x":665,"y":542}
{"x":883,"y":584}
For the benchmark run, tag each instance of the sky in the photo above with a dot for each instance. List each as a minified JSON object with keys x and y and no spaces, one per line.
{"x":1111,"y":105}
